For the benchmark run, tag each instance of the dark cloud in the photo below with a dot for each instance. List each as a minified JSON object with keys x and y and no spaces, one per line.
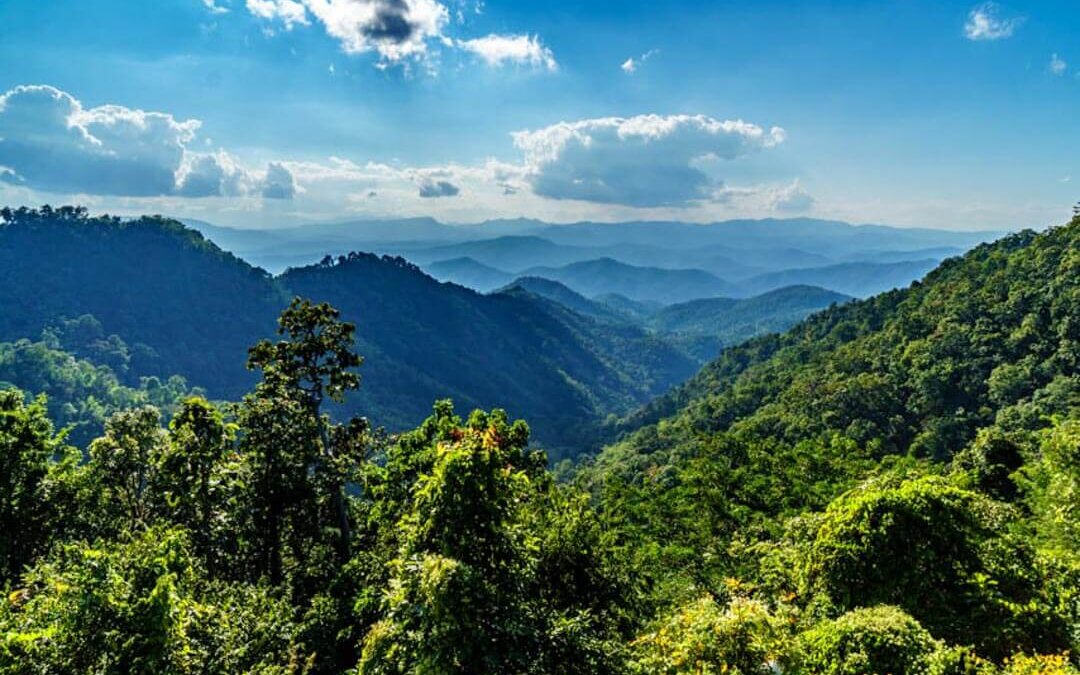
{"x":440,"y":188}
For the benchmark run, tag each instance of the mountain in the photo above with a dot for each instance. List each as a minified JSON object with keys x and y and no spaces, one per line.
{"x":730,"y":250}
{"x":631,"y":309}
{"x":644,"y":284}
{"x":833,"y":239}
{"x":859,"y":279}
{"x":189,"y":307}
{"x":469,"y":273}
{"x":938,"y":253}
{"x":985,"y":338}
{"x":513,"y":254}
{"x":556,"y":292}
{"x":703,"y":327}
{"x":426,"y":340}
{"x":183,"y":306}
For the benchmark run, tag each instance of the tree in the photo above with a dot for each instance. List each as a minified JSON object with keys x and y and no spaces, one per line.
{"x":497,"y":570}
{"x":27,"y":444}
{"x":943,"y":554}
{"x":189,"y":486}
{"x":879,"y":639}
{"x":123,"y":464}
{"x":314,"y":361}
{"x":139,"y":607}
{"x":703,"y":637}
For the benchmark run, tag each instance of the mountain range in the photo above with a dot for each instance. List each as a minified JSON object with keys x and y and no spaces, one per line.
{"x":744,"y":257}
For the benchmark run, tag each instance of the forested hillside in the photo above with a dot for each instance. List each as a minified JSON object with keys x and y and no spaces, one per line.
{"x":183,"y":303}
{"x":428,"y":340}
{"x":181,"y":306}
{"x":891,"y":487}
{"x":922,"y":427}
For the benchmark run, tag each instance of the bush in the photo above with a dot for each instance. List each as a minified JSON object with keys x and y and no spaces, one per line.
{"x":704,"y":638}
{"x":879,"y":639}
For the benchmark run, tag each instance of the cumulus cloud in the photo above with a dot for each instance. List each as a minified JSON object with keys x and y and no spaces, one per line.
{"x":279,"y":182}
{"x":1058,"y":66}
{"x":496,"y":50}
{"x":54,"y":144}
{"x":791,"y":199}
{"x":648,"y":160}
{"x":50,"y":142}
{"x":438,"y":188}
{"x":985,"y":22}
{"x":395,"y":29}
{"x":398,"y":30}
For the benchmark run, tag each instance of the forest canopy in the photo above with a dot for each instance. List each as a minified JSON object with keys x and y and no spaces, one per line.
{"x":890,"y":487}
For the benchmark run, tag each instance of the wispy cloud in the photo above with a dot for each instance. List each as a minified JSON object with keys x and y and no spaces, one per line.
{"x":497,"y":50}
{"x":1057,"y":66}
{"x":215,"y":8}
{"x":631,"y":65}
{"x":985,"y":22}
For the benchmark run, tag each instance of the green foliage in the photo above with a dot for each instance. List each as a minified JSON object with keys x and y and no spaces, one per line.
{"x":81,"y":394}
{"x":704,"y":638}
{"x":800,"y":479}
{"x":27,"y":445}
{"x":123,"y":465}
{"x":941,"y":553}
{"x":138,"y":607}
{"x":880,"y":639}
{"x":473,"y":588}
{"x":1055,"y":488}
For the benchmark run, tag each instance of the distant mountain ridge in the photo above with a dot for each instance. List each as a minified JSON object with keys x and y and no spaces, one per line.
{"x":729,"y":249}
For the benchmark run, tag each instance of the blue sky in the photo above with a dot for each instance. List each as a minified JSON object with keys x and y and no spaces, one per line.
{"x":272,"y":112}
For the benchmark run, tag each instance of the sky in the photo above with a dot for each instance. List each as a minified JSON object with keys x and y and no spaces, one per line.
{"x":268,"y":113}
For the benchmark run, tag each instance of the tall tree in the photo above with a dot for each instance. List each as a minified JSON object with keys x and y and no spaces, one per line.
{"x":313,"y":362}
{"x":26,"y":445}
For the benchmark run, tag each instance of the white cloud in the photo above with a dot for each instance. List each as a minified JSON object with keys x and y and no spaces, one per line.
{"x":50,"y":142}
{"x":288,"y":12}
{"x":631,"y":65}
{"x":395,"y":29}
{"x":399,"y":30}
{"x":986,"y":23}
{"x":791,"y":199}
{"x":215,"y":8}
{"x":643,"y":161}
{"x":278,"y":183}
{"x":1057,"y":66}
{"x":496,"y":50}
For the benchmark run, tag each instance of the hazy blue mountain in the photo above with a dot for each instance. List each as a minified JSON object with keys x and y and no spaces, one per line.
{"x":859,"y":279}
{"x":597,"y":277}
{"x":825,"y":237}
{"x":730,"y":250}
{"x":469,"y":273}
{"x":513,"y":254}
{"x":560,"y":293}
{"x":639,"y":311}
{"x":703,"y":327}
{"x":938,"y":253}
